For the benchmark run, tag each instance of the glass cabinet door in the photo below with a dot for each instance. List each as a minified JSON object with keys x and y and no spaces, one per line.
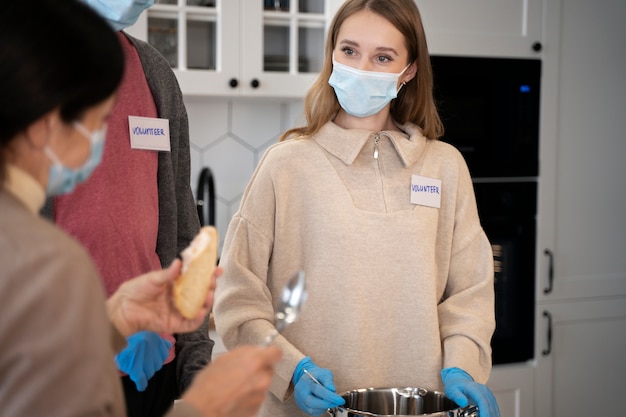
{"x":185,"y":32}
{"x":293,"y":39}
{"x":283,"y":45}
{"x":200,"y":40}
{"x":240,"y":47}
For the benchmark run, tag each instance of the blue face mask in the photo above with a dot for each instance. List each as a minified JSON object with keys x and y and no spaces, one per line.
{"x":119,"y":13}
{"x":363,"y":93}
{"x":62,"y":179}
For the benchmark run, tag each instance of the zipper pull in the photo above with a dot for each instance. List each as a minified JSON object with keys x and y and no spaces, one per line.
{"x":376,"y":140}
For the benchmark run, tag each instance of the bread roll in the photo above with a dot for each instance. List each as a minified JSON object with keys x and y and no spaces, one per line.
{"x":199,"y":261}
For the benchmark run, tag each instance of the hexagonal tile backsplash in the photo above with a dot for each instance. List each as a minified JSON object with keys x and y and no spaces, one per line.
{"x":229,"y":136}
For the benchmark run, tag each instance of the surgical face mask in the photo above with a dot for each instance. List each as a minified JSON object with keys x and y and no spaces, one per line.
{"x":363,"y":93}
{"x":119,"y":13}
{"x":62,"y":179}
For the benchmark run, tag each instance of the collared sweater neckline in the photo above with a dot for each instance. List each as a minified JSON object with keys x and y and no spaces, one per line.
{"x":346,"y":144}
{"x":25,"y":188}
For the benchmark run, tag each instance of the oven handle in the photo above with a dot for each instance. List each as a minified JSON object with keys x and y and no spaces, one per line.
{"x":547,"y":351}
{"x":550,"y":286}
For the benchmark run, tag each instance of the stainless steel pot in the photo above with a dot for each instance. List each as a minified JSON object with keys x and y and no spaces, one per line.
{"x":399,"y":402}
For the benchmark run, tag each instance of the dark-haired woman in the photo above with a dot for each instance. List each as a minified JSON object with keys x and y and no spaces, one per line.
{"x":60,"y":66}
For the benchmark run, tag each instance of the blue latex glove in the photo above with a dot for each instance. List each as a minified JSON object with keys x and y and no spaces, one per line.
{"x":144,"y":355}
{"x":310,"y":397}
{"x":461,"y":388}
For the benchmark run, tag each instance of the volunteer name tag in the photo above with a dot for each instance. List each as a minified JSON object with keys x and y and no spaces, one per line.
{"x":425,"y":191}
{"x":149,"y":133}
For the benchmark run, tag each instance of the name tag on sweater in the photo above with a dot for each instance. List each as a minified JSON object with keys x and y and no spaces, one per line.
{"x":149,"y":133}
{"x":425,"y":191}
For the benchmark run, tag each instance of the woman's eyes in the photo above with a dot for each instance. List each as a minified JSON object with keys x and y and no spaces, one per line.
{"x":348,"y":51}
{"x":383,"y":59}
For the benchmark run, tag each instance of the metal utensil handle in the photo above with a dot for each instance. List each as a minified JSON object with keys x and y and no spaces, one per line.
{"x":312,"y":377}
{"x":330,"y":411}
{"x":469,"y":411}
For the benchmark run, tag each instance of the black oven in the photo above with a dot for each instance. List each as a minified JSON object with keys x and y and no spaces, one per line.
{"x":508,"y":215}
{"x":490,"y":110}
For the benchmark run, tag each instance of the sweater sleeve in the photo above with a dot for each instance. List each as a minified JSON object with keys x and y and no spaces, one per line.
{"x":245,"y":259}
{"x":244,"y":312}
{"x":57,"y":358}
{"x":466,"y":311}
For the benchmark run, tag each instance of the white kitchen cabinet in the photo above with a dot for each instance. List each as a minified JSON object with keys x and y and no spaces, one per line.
{"x":584,"y":145}
{"x":491,"y":28}
{"x":267,"y":48}
{"x":274,"y":48}
{"x":581,"y":369}
{"x":250,"y":48}
{"x":582,"y":232}
{"x":513,"y":387}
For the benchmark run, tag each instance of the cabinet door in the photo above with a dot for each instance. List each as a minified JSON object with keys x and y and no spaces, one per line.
{"x":283,"y":46}
{"x":493,"y":28}
{"x":270,"y":48}
{"x":583,"y":147}
{"x":201,"y":41}
{"x":513,"y":387}
{"x":582,"y":359}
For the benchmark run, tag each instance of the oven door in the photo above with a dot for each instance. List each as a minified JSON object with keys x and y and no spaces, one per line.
{"x":508,"y":214}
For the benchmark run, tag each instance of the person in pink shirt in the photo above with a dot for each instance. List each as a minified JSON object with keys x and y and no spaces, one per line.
{"x":136,"y":213}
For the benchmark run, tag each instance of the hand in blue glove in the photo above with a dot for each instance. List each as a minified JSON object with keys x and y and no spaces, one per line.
{"x":460,"y":387}
{"x":311,"y":397}
{"x":144,"y":355}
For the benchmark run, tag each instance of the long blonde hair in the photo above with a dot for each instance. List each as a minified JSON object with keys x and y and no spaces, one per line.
{"x":415,"y":102}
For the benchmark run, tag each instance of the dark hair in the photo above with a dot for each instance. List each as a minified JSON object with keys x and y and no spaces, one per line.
{"x":54,"y":54}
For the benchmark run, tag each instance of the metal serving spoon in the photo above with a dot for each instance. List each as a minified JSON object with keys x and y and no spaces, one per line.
{"x":292,"y":299}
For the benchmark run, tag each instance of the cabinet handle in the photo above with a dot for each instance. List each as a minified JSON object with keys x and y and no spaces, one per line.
{"x":255,"y":83}
{"x":537,"y":46}
{"x":233,"y":83}
{"x":550,"y":286}
{"x":547,"y":351}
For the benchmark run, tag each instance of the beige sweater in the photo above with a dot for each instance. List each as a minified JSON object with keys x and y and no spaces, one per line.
{"x":56,"y":341}
{"x":397,"y":291}
{"x":57,"y":344}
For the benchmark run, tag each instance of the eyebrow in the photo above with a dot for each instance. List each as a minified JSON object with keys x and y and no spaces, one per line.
{"x":380,"y":48}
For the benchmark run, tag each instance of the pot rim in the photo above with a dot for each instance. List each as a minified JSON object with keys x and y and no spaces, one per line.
{"x":468,"y":411}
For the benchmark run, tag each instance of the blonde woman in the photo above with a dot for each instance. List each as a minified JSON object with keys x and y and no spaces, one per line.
{"x":381,"y":216}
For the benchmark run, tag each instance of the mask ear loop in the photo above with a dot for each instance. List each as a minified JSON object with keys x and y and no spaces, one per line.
{"x":83,"y":131}
{"x":403,"y":83}
{"x":55,"y":160}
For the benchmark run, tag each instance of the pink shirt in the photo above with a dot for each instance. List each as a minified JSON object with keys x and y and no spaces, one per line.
{"x":115,"y":213}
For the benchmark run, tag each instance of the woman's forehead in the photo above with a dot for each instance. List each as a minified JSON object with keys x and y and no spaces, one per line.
{"x":367,"y":29}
